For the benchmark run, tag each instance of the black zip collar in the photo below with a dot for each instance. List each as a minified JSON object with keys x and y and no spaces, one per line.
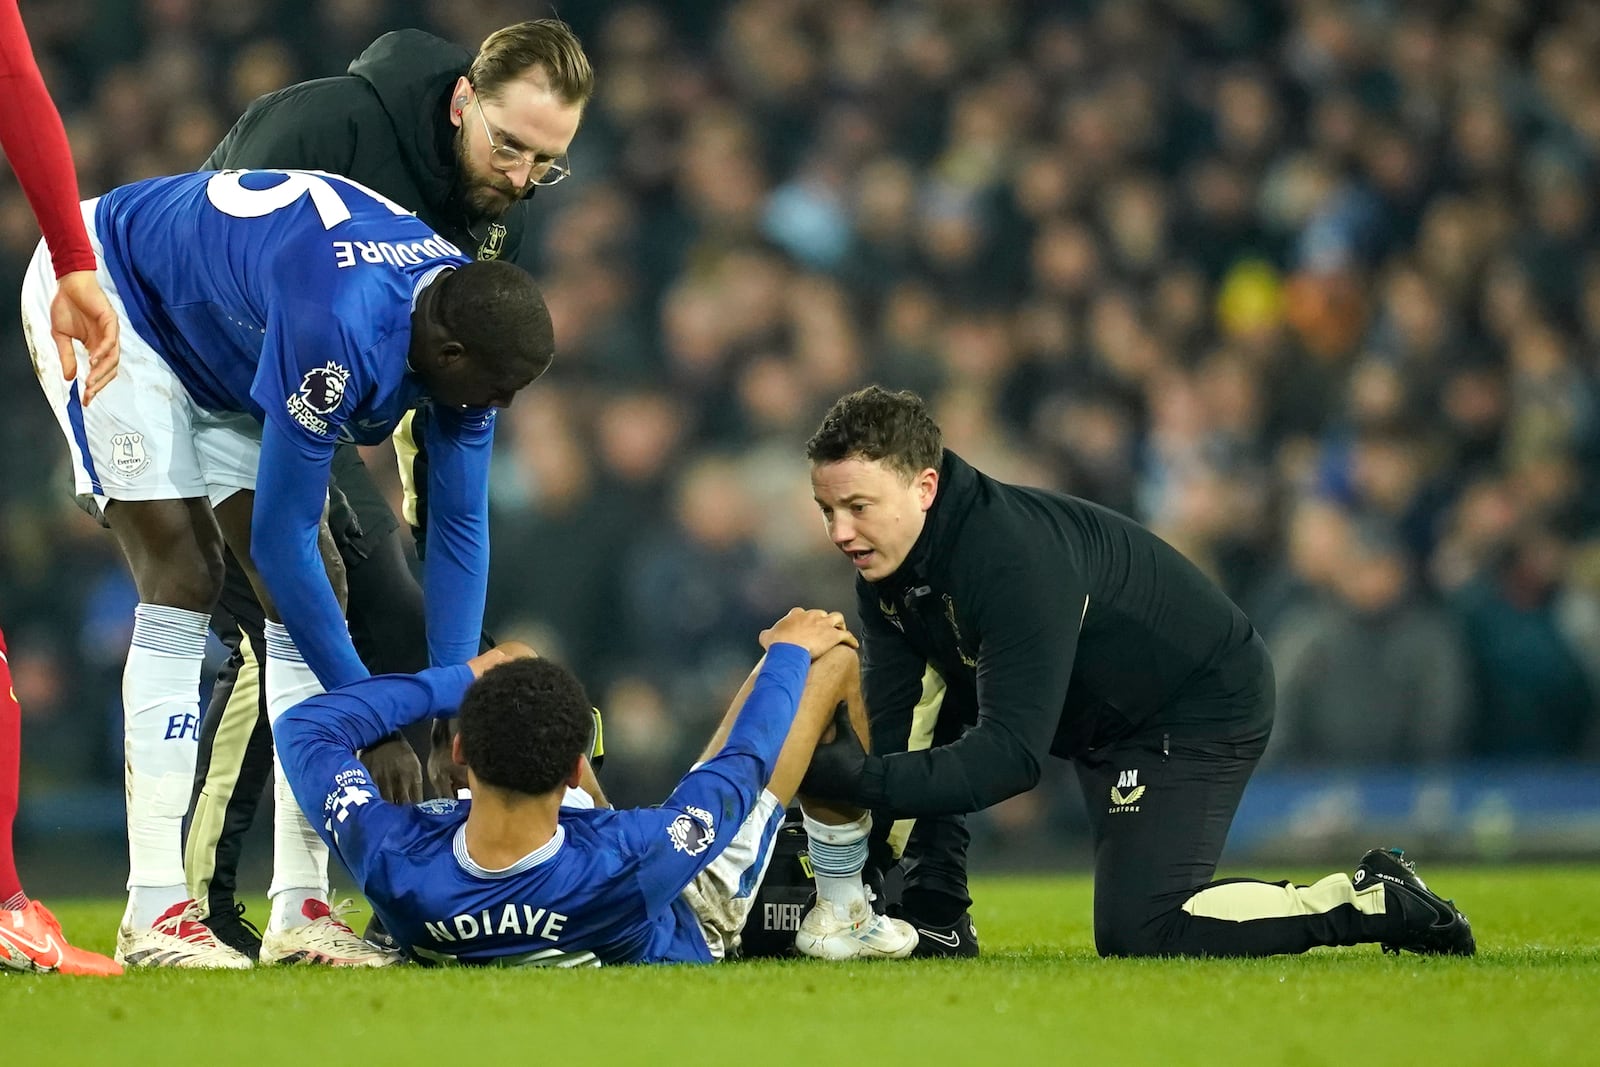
{"x":958,"y":491}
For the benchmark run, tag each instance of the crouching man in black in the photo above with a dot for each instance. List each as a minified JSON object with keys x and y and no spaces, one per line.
{"x":1001,"y":623}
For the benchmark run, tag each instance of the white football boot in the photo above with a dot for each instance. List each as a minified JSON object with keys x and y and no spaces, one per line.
{"x":325,"y":940}
{"x":862,"y":934}
{"x":178,"y":939}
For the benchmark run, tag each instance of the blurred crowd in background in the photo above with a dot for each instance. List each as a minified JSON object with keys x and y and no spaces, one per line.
{"x":1310,"y":288}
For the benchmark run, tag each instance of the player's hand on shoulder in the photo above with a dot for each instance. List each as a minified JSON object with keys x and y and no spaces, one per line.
{"x":813,"y":629}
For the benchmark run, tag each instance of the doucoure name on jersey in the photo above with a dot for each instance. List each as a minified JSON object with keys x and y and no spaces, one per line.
{"x":403,"y":254}
{"x":525,"y":920}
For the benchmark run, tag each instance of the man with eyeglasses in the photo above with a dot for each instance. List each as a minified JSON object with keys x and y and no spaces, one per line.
{"x":498,"y":192}
{"x":463,"y":141}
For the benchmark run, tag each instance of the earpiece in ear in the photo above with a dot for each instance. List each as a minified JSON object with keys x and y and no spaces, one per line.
{"x":461,"y":102}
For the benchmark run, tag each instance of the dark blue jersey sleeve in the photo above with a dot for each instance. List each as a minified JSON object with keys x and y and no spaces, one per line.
{"x":308,"y":382}
{"x":455,"y":574}
{"x":317,"y":741}
{"x":680,"y":839}
{"x":291,"y":488}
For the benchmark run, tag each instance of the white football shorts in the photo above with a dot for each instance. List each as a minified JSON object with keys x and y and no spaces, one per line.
{"x":142,"y":437}
{"x":722,"y":895}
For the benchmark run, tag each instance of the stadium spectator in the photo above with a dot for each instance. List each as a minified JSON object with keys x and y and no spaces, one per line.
{"x":1537,"y":698}
{"x":1374,"y":675}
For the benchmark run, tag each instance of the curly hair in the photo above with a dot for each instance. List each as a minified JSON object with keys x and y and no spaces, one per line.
{"x":524,"y":724}
{"x":875,"y":424}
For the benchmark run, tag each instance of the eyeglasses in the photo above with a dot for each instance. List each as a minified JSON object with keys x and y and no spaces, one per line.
{"x":503,"y":157}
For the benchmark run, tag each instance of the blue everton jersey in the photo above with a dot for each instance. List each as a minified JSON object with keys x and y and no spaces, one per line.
{"x":288,"y":295}
{"x":605,"y":889}
{"x":285,"y":294}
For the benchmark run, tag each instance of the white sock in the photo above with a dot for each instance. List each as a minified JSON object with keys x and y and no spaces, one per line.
{"x":838,"y":856}
{"x":161,"y":730}
{"x":299,"y":858}
{"x":288,"y":908}
{"x":147,"y":903}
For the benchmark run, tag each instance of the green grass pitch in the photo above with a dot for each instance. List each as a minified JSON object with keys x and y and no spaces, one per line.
{"x":1038,"y":995}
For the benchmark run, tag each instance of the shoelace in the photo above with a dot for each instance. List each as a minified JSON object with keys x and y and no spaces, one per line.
{"x":235,"y":916}
{"x":1411,"y":868}
{"x":333,"y":926}
{"x":186,"y":926}
{"x":337,"y":912}
{"x":871,"y":911}
{"x":46,"y":916}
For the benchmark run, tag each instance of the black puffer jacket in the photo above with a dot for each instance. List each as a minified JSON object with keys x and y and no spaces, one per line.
{"x":1058,"y":626}
{"x":386,"y":125}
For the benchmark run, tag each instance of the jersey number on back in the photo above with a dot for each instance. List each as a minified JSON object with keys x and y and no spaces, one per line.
{"x":230,"y":197}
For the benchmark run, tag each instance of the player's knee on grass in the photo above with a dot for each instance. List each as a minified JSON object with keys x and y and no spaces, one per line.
{"x":1129,"y":928}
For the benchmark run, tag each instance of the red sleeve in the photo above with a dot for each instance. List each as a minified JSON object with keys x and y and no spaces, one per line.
{"x":36,"y":145}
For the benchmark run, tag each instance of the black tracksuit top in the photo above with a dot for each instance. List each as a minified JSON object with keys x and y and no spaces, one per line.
{"x":386,"y":125}
{"x":1058,"y":626}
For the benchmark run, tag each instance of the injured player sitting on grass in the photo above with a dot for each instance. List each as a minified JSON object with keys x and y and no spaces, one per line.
{"x":528,"y":871}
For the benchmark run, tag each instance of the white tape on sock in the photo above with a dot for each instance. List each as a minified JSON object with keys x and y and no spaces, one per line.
{"x":161,"y":728}
{"x":156,"y":804}
{"x":838,"y":855}
{"x":299,"y":858}
{"x":847,"y":833}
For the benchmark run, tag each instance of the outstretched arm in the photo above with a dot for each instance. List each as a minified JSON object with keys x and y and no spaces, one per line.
{"x":1025,"y":663}
{"x":36,"y":145}
{"x":291,"y":487}
{"x":317,"y":741}
{"x":455,"y":574}
{"x":760,"y":748}
{"x":693,"y":825}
